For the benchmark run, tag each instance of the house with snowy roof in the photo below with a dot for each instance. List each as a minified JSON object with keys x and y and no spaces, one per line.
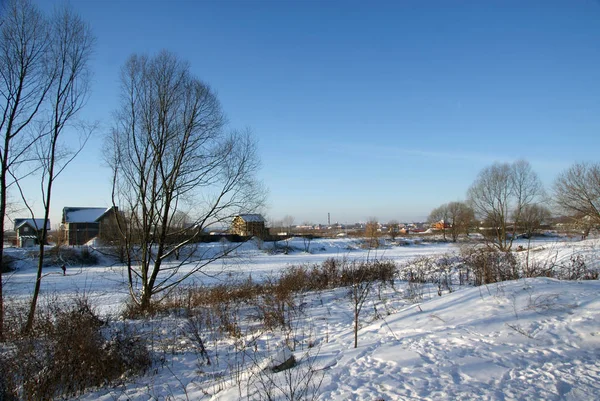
{"x":249,"y":225}
{"x":29,"y":231}
{"x":81,"y":224}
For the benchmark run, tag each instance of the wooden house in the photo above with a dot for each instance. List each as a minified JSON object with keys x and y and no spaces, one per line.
{"x":81,"y":224}
{"x":249,"y":225}
{"x":29,"y":231}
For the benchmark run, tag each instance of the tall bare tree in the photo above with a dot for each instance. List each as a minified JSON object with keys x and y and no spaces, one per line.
{"x":502,"y":191}
{"x":168,"y":151}
{"x":71,"y":44}
{"x":24,"y":84}
{"x":577,"y":193}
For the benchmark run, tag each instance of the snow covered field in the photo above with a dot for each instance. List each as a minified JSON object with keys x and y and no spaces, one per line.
{"x":528,"y":339}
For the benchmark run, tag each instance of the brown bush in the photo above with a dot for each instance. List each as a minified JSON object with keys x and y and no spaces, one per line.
{"x":273,"y":302}
{"x":577,"y":269}
{"x":69,"y":350}
{"x":60,"y":255}
{"x":490,"y":265}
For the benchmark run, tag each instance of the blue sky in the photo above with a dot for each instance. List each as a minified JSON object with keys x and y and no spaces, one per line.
{"x":365,"y":109}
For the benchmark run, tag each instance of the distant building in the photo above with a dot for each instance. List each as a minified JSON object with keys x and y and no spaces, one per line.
{"x":29,"y":231}
{"x":441,"y":225}
{"x":81,"y":224}
{"x":249,"y":225}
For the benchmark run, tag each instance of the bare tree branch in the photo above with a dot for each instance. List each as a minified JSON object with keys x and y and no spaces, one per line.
{"x":169,"y":154}
{"x":577,"y":194}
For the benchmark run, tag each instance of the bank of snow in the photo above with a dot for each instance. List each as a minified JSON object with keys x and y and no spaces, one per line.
{"x":529,"y":339}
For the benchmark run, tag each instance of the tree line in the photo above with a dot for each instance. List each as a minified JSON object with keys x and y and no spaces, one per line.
{"x":508,"y":198}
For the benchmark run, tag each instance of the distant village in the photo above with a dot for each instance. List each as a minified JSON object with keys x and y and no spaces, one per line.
{"x":97,"y":226}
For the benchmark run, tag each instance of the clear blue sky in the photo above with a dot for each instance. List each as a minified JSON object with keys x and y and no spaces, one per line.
{"x":361,"y":109}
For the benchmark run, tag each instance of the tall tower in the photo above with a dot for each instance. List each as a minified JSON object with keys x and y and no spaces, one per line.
{"x":328,"y":219}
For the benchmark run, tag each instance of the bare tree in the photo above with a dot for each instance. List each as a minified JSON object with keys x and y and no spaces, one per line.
{"x":359,"y":291}
{"x":307,"y":239}
{"x":457,"y":217}
{"x":532,"y":218}
{"x":71,"y":43}
{"x":24,"y":84}
{"x":528,"y":189}
{"x":361,"y":276}
{"x":502,"y":191}
{"x":168,"y":151}
{"x":440,"y":215}
{"x":393,"y":229}
{"x":460,"y":217}
{"x":372,"y":233}
{"x":287,"y":222}
{"x":577,"y":194}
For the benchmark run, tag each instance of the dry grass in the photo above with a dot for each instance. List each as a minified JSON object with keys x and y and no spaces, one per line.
{"x":69,"y":350}
{"x":273,"y":301}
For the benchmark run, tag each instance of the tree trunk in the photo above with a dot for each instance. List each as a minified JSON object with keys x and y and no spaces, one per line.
{"x":1,"y":295}
{"x":38,"y":278}
{"x":356,"y":326}
{"x":145,"y":298}
{"x":3,"y":199}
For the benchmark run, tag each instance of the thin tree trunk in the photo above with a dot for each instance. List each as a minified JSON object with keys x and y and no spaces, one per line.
{"x":2,"y":214}
{"x":1,"y":294}
{"x":3,"y":199}
{"x":38,"y":278}
{"x":356,"y":326}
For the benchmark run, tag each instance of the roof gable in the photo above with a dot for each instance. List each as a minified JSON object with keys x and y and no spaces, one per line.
{"x":36,"y":224}
{"x":83,"y":214}
{"x":252,"y":218}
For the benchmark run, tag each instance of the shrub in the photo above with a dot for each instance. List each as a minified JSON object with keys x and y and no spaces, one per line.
{"x":490,"y":265}
{"x":7,"y":263}
{"x":419,"y":270}
{"x":577,"y":269}
{"x":274,"y":301}
{"x":59,"y":255}
{"x":69,"y":350}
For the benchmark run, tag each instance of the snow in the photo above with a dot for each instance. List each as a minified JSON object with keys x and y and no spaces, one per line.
{"x":83,"y":214}
{"x":254,"y":218}
{"x":35,"y":223}
{"x":528,"y":339}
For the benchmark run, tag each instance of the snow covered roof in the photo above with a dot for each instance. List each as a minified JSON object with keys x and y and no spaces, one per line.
{"x":34,"y":223}
{"x":83,"y":214}
{"x":252,"y":218}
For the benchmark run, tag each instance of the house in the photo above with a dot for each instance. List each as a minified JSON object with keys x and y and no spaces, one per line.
{"x":29,"y":231}
{"x":441,"y":225}
{"x":249,"y":225}
{"x":81,"y":224}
